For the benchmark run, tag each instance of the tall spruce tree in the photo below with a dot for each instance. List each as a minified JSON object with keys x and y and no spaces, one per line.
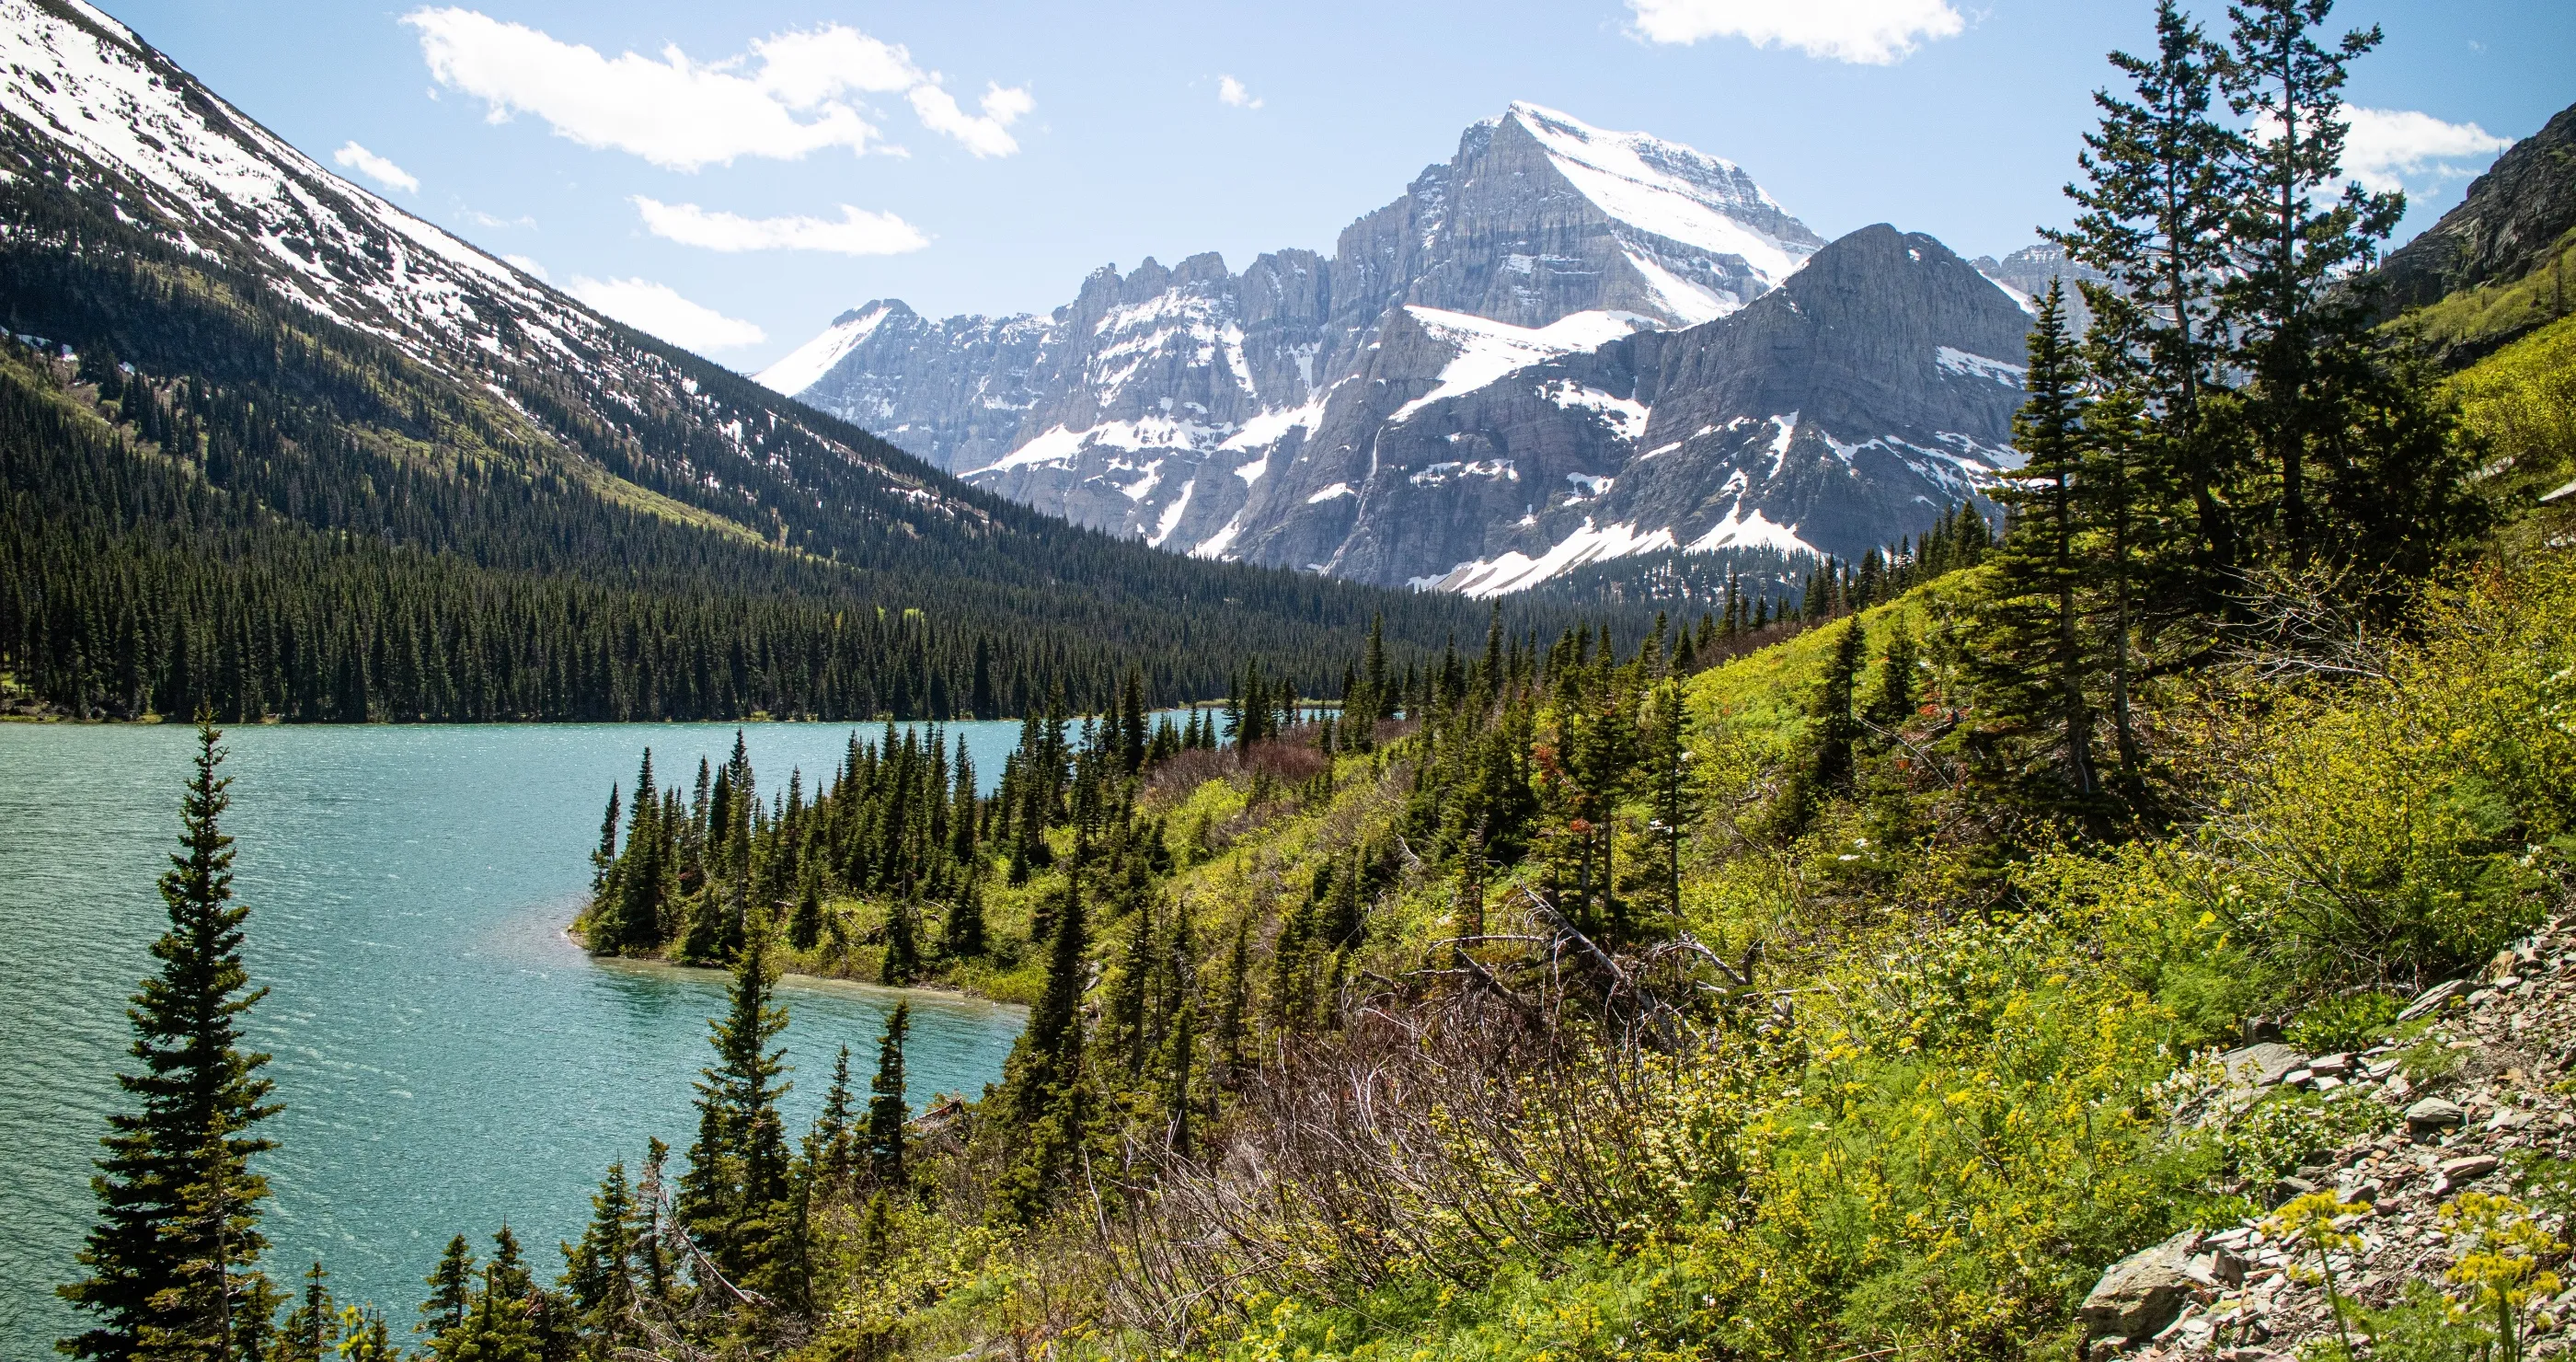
{"x":451,"y":1291}
{"x":2157,"y":200}
{"x":173,"y":1260}
{"x":2291,"y":250}
{"x":886,"y":1110}
{"x":2033,"y":662}
{"x":733,"y":1192}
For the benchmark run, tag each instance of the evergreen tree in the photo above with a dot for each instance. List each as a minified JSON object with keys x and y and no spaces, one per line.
{"x":886,"y":1110}
{"x":1666,"y":753}
{"x":2160,"y":176}
{"x":2290,"y":251}
{"x":606,"y":855}
{"x":903,"y":943}
{"x":598,"y":1280}
{"x":2033,"y":662}
{"x":1043,"y":1079}
{"x":732,"y":1192}
{"x":831,"y":1150}
{"x":312,"y":1329}
{"x":451,"y":1291}
{"x":173,"y":1261}
{"x":961,"y":933}
{"x":1892,"y":701}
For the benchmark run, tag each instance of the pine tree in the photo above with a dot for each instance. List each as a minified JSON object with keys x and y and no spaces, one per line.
{"x":451,"y":1291}
{"x":961,"y":934}
{"x":173,"y":1259}
{"x":1043,"y":1078}
{"x":2160,"y":175}
{"x":730,"y":1194}
{"x":606,"y":855}
{"x":2290,"y":251}
{"x":2034,"y":663}
{"x":598,"y":1280}
{"x":886,"y":1110}
{"x":1666,"y":752}
{"x":903,"y":943}
{"x":831,"y":1150}
{"x":312,"y":1329}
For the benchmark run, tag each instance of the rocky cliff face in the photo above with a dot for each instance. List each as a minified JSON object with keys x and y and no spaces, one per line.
{"x":2517,"y":218}
{"x":1499,"y":375}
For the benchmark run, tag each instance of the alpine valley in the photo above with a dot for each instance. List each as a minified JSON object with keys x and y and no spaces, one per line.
{"x":1564,"y":346}
{"x":277,"y":447}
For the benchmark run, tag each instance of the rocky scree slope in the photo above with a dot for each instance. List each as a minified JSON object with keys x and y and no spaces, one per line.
{"x":1245,"y":416}
{"x":2496,"y":1111}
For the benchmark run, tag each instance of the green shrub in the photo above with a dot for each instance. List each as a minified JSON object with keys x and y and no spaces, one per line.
{"x":2354,"y":1021}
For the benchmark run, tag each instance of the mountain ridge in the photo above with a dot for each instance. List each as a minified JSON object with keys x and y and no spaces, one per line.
{"x":1194,"y":409}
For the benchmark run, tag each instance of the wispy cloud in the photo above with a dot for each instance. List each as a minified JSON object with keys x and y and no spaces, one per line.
{"x":1867,"y":32}
{"x":858,"y":232}
{"x":2388,"y":146}
{"x":385,"y":173}
{"x":984,"y":136}
{"x":791,"y":95}
{"x":1230,"y":91}
{"x":659,"y":309}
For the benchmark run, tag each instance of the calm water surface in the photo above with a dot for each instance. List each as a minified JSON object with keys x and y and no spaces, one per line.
{"x":447,"y":1058}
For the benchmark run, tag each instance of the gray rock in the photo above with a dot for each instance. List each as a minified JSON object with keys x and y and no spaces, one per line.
{"x":2431,"y":999}
{"x":2260,"y":1066}
{"x":2143,"y":1292}
{"x":2432,"y":1116}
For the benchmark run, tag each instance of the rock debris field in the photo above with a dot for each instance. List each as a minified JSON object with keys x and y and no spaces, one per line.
{"x":2478,"y":1103}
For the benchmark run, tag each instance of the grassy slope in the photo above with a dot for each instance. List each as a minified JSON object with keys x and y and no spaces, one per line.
{"x":1969,"y":1117}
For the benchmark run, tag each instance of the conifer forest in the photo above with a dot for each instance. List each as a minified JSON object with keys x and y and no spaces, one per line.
{"x":1772,"y":957}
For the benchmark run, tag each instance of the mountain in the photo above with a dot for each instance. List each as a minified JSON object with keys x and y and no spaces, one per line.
{"x":281,"y":369}
{"x":1549,"y":351}
{"x":2495,"y":267}
{"x":1152,"y":404}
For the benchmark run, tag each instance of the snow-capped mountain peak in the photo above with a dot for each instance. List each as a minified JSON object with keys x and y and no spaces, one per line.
{"x":1497,"y":378}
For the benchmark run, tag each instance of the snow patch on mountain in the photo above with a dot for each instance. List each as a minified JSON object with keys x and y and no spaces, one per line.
{"x":1966,"y":365}
{"x":1516,"y":571}
{"x":1489,"y":350}
{"x":1662,"y":187}
{"x":1754,"y":530}
{"x":815,"y":358}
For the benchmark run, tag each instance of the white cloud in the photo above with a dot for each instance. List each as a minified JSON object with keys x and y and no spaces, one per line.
{"x":660,"y":310}
{"x":1230,"y":91}
{"x":1870,"y":32}
{"x":790,"y":96}
{"x":2387,"y":145}
{"x":983,"y":136}
{"x":857,"y":233}
{"x":385,"y":173}
{"x":527,"y":265}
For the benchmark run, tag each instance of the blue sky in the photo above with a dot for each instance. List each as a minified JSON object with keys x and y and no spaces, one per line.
{"x":734,"y":175}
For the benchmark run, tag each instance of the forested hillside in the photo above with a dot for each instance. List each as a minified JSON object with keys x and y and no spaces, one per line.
{"x":277,"y":447}
{"x":1857,"y":986}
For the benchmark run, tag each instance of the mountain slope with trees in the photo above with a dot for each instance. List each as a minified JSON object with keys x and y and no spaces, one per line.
{"x":282,"y":448}
{"x":1858,"y":987}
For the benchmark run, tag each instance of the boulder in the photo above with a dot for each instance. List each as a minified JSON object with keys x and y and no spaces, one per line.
{"x":2142,"y":1293}
{"x":2474,"y":1166}
{"x":2432,"y":999}
{"x":2260,"y":1066}
{"x":2432,"y":1116}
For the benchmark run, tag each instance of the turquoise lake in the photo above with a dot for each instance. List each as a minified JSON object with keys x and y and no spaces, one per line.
{"x":448,"y":1059}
